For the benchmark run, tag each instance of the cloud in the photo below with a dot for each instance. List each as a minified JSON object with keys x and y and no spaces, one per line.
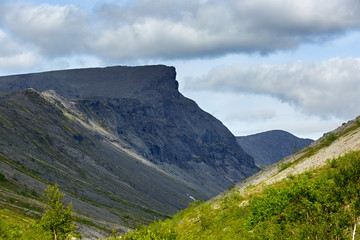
{"x":52,"y":30}
{"x":177,"y":29}
{"x":250,"y":115}
{"x":18,"y":57}
{"x":186,"y":29}
{"x":14,"y":56}
{"x":328,"y":88}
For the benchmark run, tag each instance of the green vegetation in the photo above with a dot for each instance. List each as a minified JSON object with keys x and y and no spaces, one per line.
{"x":284,"y":166}
{"x":2,"y":178}
{"x":330,"y":138}
{"x":319,"y":204}
{"x":56,"y":223}
{"x":57,"y":218}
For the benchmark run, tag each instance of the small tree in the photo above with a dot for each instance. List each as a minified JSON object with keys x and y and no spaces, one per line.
{"x":58,"y":218}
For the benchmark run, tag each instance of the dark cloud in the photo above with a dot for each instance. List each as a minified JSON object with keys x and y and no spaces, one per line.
{"x":328,"y":88}
{"x":177,"y":29}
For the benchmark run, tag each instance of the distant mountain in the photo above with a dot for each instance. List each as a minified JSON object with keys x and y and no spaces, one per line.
{"x":269,"y":147}
{"x":122,"y":142}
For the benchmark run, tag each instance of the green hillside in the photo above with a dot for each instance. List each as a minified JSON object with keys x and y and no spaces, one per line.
{"x":319,"y":204}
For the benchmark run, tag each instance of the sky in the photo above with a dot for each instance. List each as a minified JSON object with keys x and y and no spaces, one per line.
{"x":256,"y":65}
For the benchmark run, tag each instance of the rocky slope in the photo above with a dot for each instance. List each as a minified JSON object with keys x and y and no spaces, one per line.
{"x":122,"y":142}
{"x":269,"y":147}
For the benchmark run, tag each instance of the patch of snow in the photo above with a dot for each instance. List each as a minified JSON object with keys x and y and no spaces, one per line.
{"x":191,"y":197}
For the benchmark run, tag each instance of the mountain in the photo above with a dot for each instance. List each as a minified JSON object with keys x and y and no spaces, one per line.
{"x":269,"y":147}
{"x":122,"y":143}
{"x":311,"y":194}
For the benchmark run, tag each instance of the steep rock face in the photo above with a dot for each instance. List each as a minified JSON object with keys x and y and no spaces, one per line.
{"x":145,"y":113}
{"x":269,"y":147}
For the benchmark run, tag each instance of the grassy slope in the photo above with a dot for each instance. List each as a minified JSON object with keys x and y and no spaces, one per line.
{"x":321,"y":202}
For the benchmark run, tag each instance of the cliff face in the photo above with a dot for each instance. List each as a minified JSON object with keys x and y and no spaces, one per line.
{"x":124,"y":130}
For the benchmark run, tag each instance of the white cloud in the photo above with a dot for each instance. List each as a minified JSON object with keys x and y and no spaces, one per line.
{"x":14,"y":56}
{"x":185,"y":29}
{"x":52,"y":30}
{"x":328,"y":88}
{"x":21,"y":61}
{"x":165,"y":29}
{"x":22,"y":58}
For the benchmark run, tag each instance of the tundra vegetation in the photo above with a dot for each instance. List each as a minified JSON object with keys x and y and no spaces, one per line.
{"x":322,"y":203}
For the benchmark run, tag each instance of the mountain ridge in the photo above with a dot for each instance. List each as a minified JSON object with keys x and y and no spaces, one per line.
{"x":130,"y":148}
